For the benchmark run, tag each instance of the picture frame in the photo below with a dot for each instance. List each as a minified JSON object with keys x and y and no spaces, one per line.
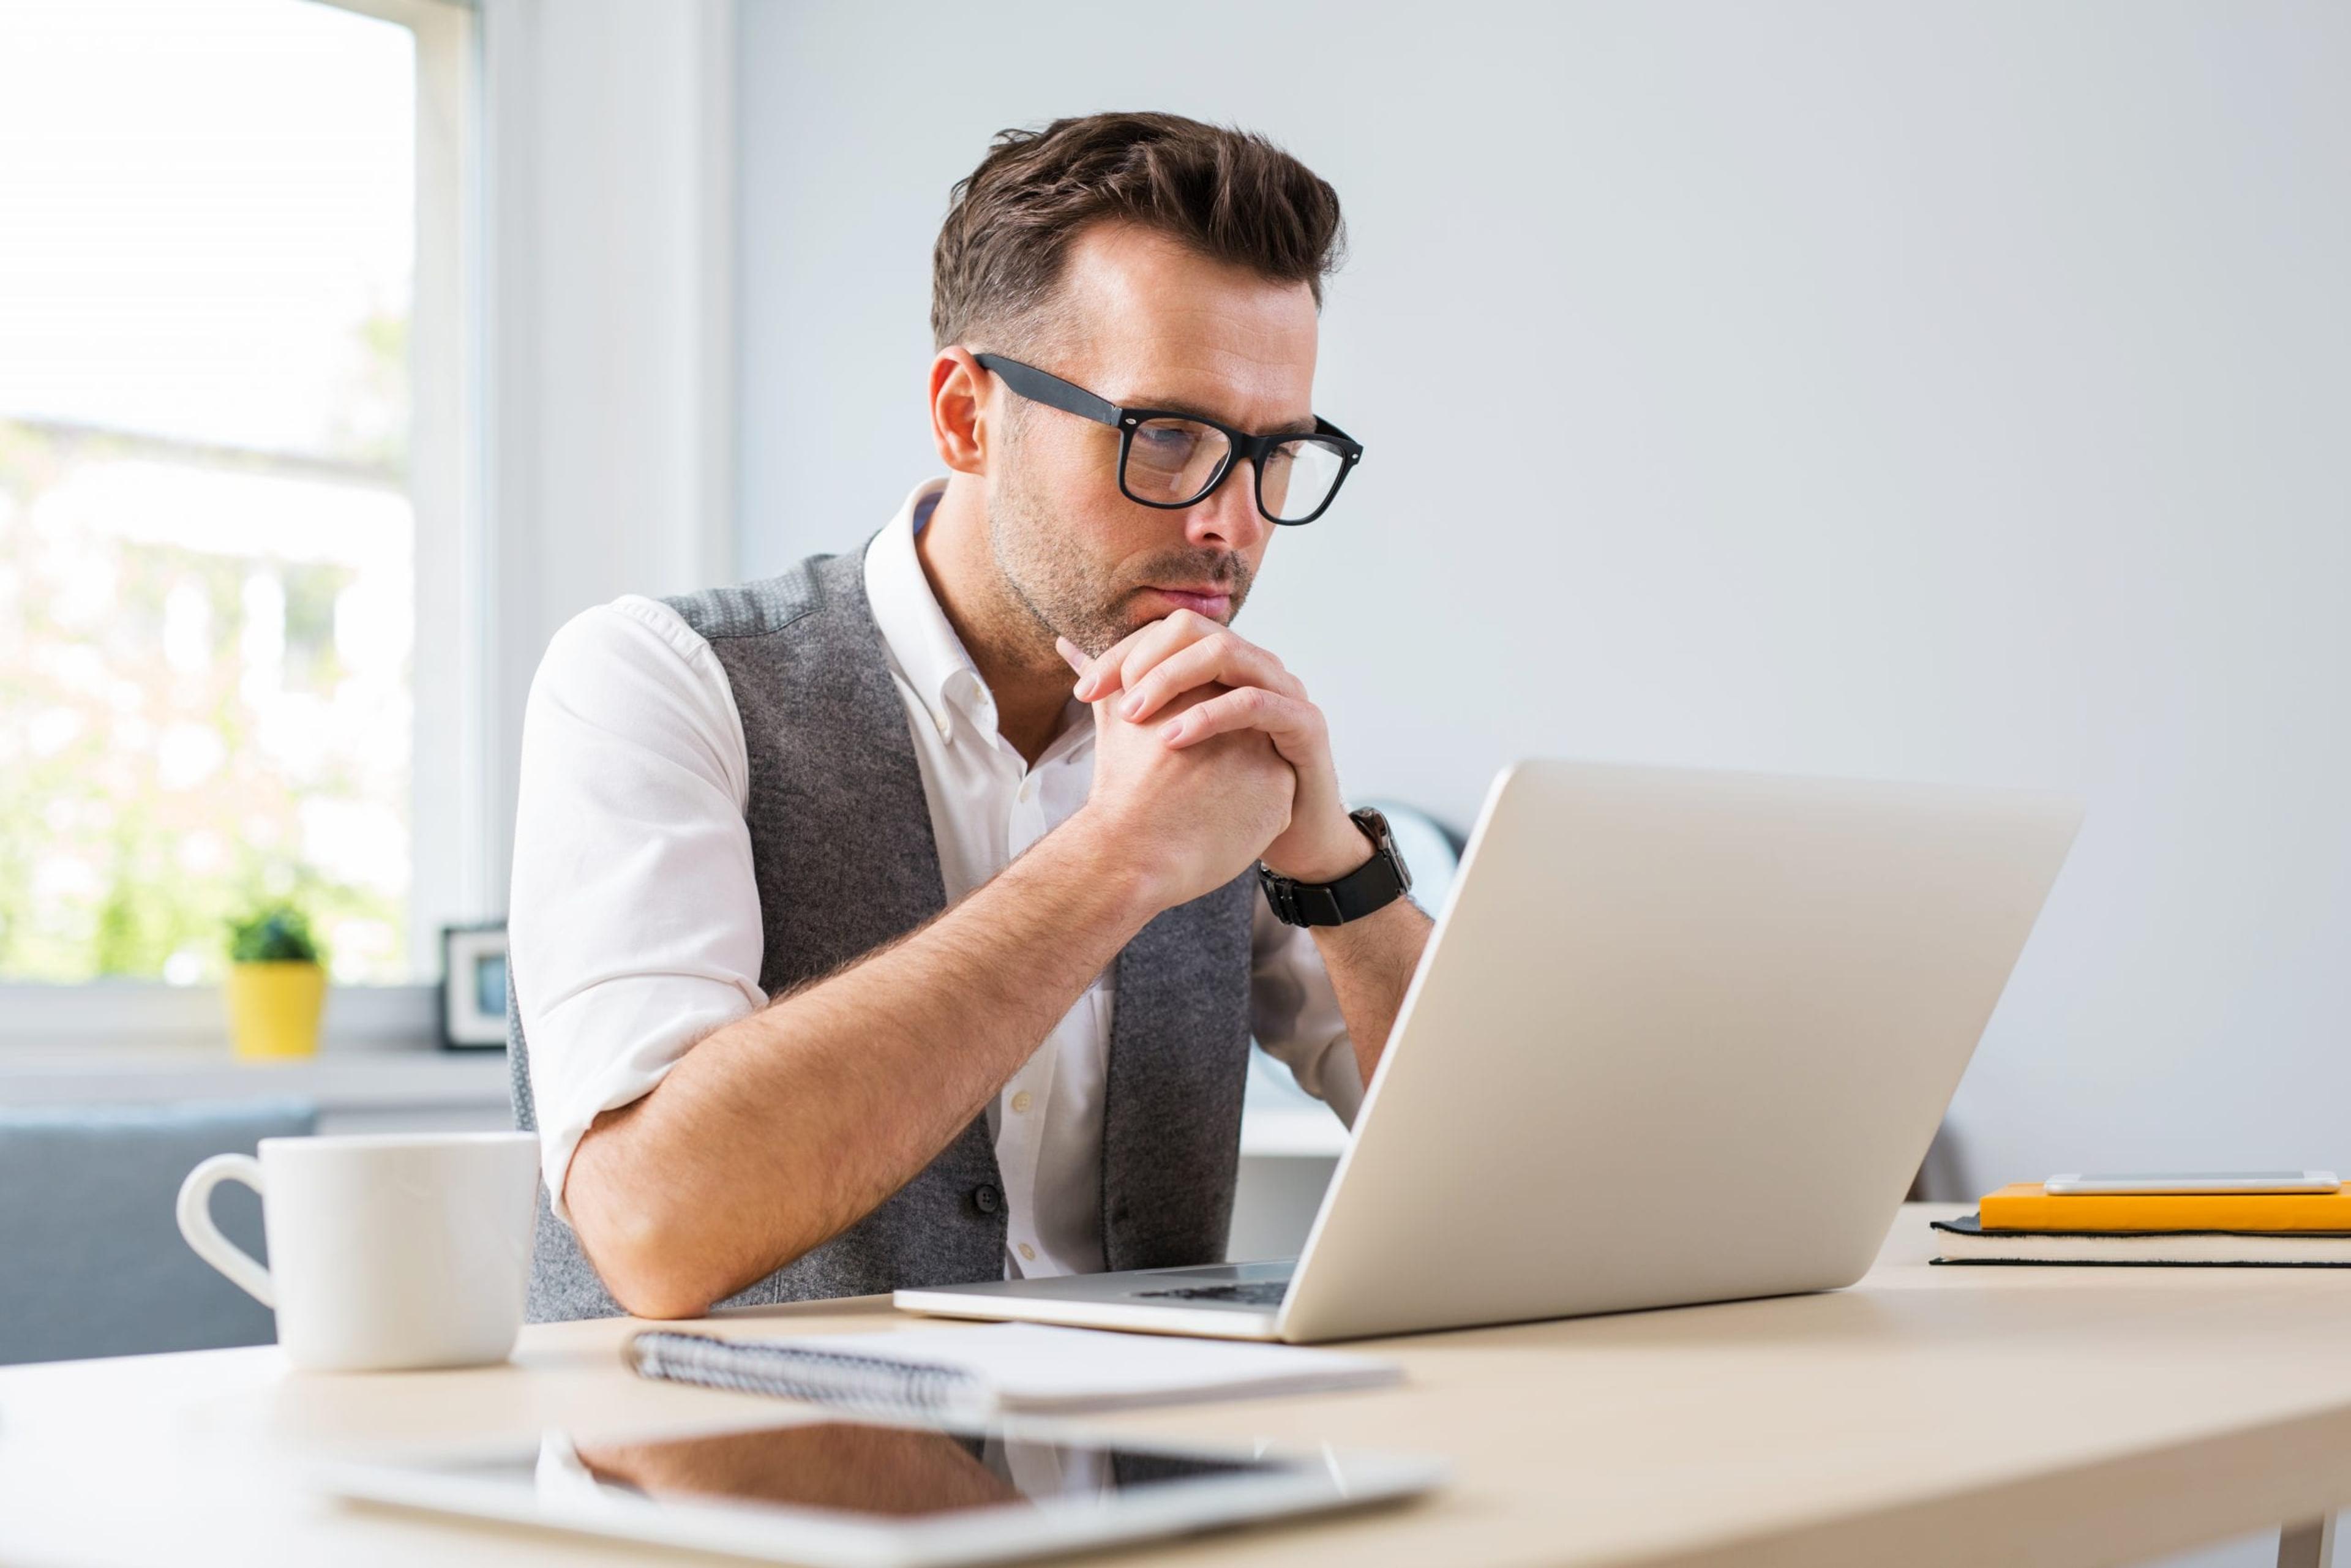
{"x":474,"y":987}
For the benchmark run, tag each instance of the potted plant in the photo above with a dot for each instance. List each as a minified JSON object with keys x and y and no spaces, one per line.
{"x":276,"y":985}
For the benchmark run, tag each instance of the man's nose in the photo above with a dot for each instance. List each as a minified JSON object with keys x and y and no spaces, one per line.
{"x":1230,"y":518}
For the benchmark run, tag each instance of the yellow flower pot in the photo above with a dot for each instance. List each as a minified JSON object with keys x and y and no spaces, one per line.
{"x":273,"y":1008}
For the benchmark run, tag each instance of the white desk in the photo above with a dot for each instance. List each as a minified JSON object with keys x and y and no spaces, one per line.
{"x":1927,"y":1416}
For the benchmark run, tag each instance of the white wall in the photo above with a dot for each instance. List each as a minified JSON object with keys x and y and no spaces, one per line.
{"x":1940,"y":392}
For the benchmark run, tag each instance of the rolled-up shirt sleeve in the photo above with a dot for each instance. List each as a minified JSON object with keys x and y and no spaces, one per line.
{"x":633,"y":919}
{"x":1294,"y":1013}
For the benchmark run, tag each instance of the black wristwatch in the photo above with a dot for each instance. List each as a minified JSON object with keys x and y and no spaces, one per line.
{"x":1371,"y":886}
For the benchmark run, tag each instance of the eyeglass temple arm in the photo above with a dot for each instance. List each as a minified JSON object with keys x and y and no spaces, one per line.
{"x":1324,"y":427}
{"x":1040,"y":386}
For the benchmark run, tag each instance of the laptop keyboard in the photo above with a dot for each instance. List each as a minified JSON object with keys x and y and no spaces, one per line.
{"x":1256,"y":1294}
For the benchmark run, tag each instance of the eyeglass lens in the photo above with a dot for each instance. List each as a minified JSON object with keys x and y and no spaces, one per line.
{"x":1299,"y":477}
{"x":1172,"y":462}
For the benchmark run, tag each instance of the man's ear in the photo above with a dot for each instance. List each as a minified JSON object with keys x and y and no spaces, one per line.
{"x":960,"y":389}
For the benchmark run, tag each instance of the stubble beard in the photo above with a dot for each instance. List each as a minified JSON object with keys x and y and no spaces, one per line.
{"x":1054,"y":588}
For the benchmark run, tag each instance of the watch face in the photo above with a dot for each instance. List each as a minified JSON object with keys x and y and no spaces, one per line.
{"x":1369,"y":818}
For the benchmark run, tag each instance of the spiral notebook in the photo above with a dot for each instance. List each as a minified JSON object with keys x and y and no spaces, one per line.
{"x":1002,"y":1368}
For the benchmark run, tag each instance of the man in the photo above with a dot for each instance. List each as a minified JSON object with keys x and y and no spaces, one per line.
{"x":898,"y":920}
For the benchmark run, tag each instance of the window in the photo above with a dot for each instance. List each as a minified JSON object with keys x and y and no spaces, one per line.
{"x":234,"y":450}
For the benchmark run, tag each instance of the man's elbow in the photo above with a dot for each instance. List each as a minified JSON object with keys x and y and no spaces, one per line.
{"x":648,"y":1260}
{"x":645,"y":1270}
{"x":650,"y":1293}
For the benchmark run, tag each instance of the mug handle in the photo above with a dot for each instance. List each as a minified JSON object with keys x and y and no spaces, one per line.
{"x":243,"y":1268}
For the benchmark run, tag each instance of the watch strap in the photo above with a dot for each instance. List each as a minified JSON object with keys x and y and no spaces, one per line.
{"x":1369,"y":888}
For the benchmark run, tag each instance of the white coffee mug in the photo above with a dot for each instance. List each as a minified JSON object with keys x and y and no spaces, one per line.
{"x":386,"y":1250}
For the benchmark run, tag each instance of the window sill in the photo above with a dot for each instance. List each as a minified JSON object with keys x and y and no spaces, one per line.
{"x":348,"y":1080}
{"x":127,"y":1043}
{"x":142,"y":1014}
{"x":137,"y":1042}
{"x":336,"y":1080}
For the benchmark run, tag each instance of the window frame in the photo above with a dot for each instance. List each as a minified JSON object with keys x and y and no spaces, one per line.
{"x":452,"y":790}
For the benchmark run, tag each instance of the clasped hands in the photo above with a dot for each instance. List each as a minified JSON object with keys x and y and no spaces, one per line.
{"x":1156,"y":672}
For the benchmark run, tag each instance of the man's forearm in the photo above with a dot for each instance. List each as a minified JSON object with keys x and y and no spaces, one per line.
{"x":1371,"y":961}
{"x":778,"y":1130}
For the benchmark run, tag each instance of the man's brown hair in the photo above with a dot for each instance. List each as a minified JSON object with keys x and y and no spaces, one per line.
{"x":1229,"y":195}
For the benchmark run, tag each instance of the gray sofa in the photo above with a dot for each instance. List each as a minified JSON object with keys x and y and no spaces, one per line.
{"x":91,"y":1261}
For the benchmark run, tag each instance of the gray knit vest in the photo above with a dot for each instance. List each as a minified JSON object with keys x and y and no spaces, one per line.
{"x":841,"y":845}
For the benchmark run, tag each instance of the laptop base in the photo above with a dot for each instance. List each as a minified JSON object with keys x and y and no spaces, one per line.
{"x":1216,"y":1300}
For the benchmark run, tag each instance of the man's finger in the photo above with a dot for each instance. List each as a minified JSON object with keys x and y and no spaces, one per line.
{"x":1249,"y":707}
{"x":1091,"y":686}
{"x":1125,"y":664}
{"x":1295,"y":725}
{"x":1142,"y":652}
{"x":1071,"y":654}
{"x":1224,"y":658}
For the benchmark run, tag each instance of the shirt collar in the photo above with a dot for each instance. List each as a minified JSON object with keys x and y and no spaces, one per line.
{"x":915,"y":630}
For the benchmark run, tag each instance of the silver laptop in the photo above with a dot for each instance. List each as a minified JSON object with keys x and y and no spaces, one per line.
{"x":1678,"y":1037}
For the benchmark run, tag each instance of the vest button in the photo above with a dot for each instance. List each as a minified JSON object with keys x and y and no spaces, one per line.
{"x":985,"y":1198}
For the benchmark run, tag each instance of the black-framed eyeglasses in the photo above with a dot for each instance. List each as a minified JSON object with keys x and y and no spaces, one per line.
{"x":1171,"y":460}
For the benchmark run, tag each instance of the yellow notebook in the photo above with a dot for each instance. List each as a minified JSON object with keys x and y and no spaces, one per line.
{"x":2026,"y":1207}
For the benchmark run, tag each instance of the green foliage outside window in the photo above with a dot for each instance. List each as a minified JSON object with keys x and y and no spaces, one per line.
{"x":277,"y":935}
{"x":153,"y":786}
{"x":208,"y":544}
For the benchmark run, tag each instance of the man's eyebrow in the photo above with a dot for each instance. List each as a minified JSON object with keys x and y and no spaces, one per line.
{"x":1304,"y":426}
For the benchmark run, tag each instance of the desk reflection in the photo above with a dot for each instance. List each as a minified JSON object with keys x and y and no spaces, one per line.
{"x":840,"y":1465}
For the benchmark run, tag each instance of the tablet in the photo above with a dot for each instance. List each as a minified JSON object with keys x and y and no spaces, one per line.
{"x":835,"y":1491}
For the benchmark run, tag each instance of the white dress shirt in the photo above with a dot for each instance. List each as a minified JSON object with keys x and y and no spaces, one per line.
{"x":635,"y":922}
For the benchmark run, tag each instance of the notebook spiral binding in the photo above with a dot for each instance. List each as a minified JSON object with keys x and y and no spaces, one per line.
{"x":792,"y":1371}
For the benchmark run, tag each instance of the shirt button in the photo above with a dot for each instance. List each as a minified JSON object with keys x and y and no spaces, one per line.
{"x":1028,"y":1253}
{"x":985,"y":1198}
{"x":1021,"y":1102}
